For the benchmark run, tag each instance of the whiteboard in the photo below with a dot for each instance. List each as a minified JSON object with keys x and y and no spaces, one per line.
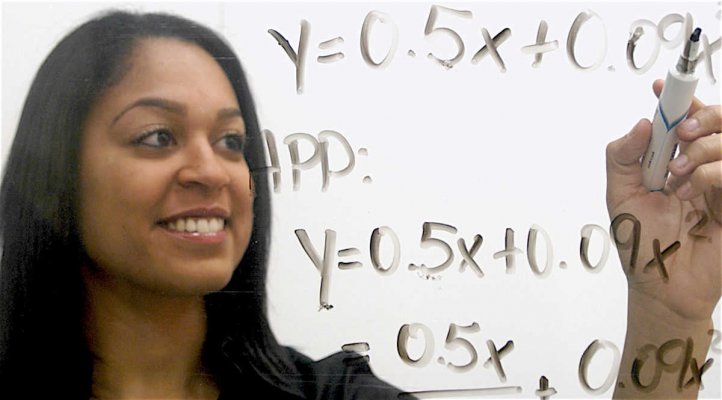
{"x":481,"y":148}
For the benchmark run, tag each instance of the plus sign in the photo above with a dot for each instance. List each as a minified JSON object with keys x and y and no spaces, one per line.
{"x":545,"y":392}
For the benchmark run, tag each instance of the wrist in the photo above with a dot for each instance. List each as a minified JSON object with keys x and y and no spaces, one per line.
{"x":664,"y":352}
{"x":652,"y":318}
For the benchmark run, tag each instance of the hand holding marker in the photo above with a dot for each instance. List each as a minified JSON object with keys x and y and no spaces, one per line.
{"x":674,"y":103}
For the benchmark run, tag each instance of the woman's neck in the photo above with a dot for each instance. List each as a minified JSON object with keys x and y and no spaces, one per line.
{"x":145,"y":345}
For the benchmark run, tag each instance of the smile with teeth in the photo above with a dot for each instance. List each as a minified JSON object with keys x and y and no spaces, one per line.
{"x":197,"y":225}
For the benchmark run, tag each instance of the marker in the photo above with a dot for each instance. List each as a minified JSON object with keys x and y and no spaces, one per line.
{"x":674,"y":103}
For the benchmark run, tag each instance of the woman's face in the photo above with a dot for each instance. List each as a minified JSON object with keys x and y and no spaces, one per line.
{"x":165,"y":197}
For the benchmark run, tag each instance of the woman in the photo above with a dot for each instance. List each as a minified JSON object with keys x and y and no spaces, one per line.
{"x":134,"y":235}
{"x":134,"y":238}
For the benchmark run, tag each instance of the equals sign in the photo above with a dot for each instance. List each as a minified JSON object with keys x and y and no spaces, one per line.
{"x":347,"y":253}
{"x":355,"y":353}
{"x":329,"y":58}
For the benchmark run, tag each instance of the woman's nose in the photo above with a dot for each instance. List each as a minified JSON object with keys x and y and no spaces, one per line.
{"x":202,"y":167}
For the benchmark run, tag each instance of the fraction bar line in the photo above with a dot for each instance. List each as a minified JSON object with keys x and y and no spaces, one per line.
{"x":461,"y":393}
{"x":359,"y":347}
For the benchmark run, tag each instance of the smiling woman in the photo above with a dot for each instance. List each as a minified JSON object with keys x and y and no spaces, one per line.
{"x":135,"y":234}
{"x":135,"y":218}
{"x":168,"y":134}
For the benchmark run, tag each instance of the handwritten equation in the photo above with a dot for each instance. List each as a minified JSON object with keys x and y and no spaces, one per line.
{"x":642,"y":31}
{"x":443,"y":239}
{"x":671,"y":357}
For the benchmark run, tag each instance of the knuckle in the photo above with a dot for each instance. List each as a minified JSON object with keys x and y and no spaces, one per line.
{"x":713,"y":116}
{"x":705,"y":149}
{"x":703,"y":175}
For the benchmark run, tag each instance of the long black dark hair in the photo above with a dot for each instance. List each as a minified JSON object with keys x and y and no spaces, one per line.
{"x":43,"y":351}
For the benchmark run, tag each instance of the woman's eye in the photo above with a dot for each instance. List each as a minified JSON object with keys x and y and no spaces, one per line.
{"x":158,"y":138}
{"x":233,"y":142}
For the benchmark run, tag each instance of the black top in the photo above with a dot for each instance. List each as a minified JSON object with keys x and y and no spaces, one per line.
{"x":338,"y":376}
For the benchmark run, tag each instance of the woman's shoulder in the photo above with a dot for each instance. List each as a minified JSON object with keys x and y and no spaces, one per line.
{"x":343,"y":375}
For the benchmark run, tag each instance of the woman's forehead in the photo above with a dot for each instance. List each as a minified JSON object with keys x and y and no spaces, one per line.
{"x":160,"y":58}
{"x":172,"y":69}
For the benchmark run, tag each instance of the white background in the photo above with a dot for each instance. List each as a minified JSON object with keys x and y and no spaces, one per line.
{"x":468,"y":146}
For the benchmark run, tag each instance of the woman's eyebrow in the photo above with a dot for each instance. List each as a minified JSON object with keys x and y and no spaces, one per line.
{"x":229,"y":113}
{"x":164,"y":104}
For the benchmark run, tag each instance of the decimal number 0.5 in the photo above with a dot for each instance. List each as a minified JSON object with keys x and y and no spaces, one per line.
{"x":453,"y":343}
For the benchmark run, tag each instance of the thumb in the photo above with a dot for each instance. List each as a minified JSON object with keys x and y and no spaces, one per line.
{"x":624,"y":172}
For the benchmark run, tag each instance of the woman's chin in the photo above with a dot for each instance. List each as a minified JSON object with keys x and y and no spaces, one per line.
{"x":203,"y":280}
{"x":186,"y":279}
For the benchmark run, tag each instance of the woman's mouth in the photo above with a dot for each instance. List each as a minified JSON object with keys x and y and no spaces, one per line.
{"x":196,"y":225}
{"x":203,"y":225}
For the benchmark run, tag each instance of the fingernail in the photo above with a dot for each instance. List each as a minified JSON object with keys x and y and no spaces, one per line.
{"x":690,"y":124}
{"x":685,"y":190}
{"x":681,"y":161}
